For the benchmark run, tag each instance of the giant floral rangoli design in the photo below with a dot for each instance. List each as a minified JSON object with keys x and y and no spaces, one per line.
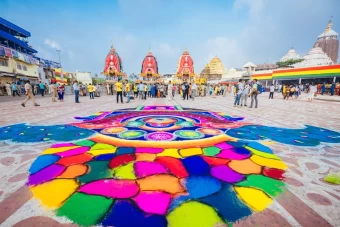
{"x":158,"y":166}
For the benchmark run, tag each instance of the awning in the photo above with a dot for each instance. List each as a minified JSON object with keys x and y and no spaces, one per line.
{"x":6,"y":74}
{"x":15,"y":28}
{"x":11,"y":38}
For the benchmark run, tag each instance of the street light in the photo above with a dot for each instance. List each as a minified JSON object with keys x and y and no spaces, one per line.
{"x":59,"y":56}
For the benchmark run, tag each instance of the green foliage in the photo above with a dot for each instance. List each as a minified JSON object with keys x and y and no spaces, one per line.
{"x":288,"y":63}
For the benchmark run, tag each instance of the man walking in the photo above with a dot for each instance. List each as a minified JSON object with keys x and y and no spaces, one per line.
{"x":239,"y":90}
{"x":127,"y":91}
{"x":90,"y":89}
{"x":271,"y":91}
{"x":254,"y":92}
{"x":29,"y":94}
{"x":119,"y":89}
{"x":14,"y":89}
{"x":76,"y":91}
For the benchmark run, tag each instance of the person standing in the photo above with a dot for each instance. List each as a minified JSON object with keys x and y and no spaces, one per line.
{"x":76,"y":91}
{"x":140,"y":90}
{"x":245,"y":94}
{"x":332,"y":89}
{"x":8,"y":89}
{"x":170,"y":93}
{"x":61,"y":91}
{"x":149,"y":90}
{"x":127,"y":91}
{"x":193,"y":91}
{"x":311,"y":92}
{"x":42,"y":88}
{"x":186,"y":91}
{"x":119,"y":89}
{"x":145,"y":90}
{"x":14,"y":89}
{"x":271,"y":91}
{"x":54,"y":91}
{"x":108,"y":89}
{"x":254,"y":93}
{"x":239,"y":90}
{"x":153,"y":91}
{"x":29,"y":94}
{"x":90,"y":89}
{"x":323,"y":88}
{"x":161,"y":90}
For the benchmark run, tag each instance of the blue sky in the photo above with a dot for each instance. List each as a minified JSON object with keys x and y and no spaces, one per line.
{"x":237,"y":31}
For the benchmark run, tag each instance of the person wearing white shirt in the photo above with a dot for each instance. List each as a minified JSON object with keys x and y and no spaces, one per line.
{"x":239,"y":89}
{"x":170,"y":91}
{"x":76,"y":91}
{"x":312,"y":89}
{"x":193,"y":91}
{"x":245,"y":93}
{"x":271,"y":91}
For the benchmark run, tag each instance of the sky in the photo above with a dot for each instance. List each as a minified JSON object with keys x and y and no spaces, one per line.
{"x":236,"y":31}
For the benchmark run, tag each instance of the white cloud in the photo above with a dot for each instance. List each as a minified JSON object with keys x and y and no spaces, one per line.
{"x":53,"y":44}
{"x":44,"y":53}
{"x":165,"y":49}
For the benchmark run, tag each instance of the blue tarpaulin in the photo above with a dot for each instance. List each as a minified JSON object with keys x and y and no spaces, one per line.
{"x":18,"y":42}
{"x":15,"y":28}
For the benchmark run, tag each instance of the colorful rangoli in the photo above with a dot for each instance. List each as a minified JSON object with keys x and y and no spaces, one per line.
{"x":158,"y":166}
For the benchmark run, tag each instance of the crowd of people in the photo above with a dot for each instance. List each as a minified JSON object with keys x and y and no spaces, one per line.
{"x":143,"y":90}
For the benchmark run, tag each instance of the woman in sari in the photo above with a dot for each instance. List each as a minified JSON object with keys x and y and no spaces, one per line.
{"x":61,"y":91}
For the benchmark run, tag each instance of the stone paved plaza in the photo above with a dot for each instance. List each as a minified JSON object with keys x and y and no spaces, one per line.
{"x":308,"y":200}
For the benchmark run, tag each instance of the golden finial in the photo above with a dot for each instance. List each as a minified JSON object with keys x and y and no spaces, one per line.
{"x":329,"y":25}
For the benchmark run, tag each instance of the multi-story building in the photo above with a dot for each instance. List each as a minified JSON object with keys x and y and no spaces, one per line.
{"x":17,"y":61}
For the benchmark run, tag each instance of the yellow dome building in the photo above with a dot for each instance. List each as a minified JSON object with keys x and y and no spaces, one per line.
{"x":214,"y":70}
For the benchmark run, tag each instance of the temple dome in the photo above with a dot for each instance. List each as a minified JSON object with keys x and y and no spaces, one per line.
{"x":315,"y":57}
{"x":216,"y":66}
{"x":185,"y":64}
{"x":291,"y":55}
{"x":149,"y":65}
{"x":328,"y":31}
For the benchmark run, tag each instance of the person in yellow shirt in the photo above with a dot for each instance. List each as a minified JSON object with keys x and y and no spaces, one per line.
{"x":127,"y":91}
{"x":119,"y":89}
{"x":90,"y":89}
{"x":135,"y":90}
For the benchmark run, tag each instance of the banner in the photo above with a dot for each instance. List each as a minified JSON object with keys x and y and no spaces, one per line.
{"x":8,"y":52}
{"x":21,"y":56}
{"x":2,"y":51}
{"x":15,"y":54}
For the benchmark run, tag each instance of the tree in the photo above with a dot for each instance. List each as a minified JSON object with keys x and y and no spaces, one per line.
{"x":133,"y":76}
{"x":288,"y":63}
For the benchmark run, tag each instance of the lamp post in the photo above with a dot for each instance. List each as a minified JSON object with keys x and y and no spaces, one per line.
{"x":59,"y":56}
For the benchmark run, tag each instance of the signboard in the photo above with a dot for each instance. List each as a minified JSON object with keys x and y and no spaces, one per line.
{"x":8,"y":52}
{"x":2,"y":51}
{"x":15,"y":54}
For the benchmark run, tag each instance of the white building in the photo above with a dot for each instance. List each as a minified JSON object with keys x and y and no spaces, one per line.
{"x":291,"y":55}
{"x":315,"y":57}
{"x":84,"y":77}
